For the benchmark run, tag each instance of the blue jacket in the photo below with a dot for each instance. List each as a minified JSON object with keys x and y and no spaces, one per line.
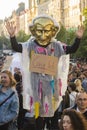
{"x":10,"y":109}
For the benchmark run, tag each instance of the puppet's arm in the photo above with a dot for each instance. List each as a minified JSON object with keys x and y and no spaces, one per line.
{"x":11,"y":28}
{"x":73,"y":48}
{"x":15,"y":46}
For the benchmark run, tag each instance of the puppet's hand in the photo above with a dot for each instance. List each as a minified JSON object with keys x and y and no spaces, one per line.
{"x":10,"y":28}
{"x":79,"y":32}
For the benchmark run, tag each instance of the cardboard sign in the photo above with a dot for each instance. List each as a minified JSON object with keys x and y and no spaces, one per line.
{"x":44,"y":64}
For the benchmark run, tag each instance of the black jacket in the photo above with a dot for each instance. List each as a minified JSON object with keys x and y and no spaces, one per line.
{"x":75,"y":108}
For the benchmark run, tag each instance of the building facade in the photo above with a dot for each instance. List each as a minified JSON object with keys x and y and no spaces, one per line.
{"x":68,"y":12}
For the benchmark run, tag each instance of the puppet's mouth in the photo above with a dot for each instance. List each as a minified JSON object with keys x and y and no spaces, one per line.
{"x":43,"y":42}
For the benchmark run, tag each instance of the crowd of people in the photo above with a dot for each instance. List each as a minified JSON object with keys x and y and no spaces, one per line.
{"x":26,"y":97}
{"x":75,"y":96}
{"x":66,"y":116}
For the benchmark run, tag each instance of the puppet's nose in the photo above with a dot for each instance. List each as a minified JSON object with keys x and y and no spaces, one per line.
{"x":43,"y":35}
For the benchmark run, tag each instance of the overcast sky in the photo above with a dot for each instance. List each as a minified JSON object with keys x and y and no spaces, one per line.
{"x":7,"y":6}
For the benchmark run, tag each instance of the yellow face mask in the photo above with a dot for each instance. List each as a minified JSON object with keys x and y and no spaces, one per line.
{"x":43,"y":30}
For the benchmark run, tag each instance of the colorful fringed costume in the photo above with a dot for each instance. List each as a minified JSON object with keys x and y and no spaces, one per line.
{"x":42,"y":91}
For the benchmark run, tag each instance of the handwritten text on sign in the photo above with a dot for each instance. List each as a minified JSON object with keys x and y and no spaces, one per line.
{"x":44,"y":64}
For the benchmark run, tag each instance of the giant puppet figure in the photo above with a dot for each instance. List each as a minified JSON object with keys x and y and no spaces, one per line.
{"x":40,"y":58}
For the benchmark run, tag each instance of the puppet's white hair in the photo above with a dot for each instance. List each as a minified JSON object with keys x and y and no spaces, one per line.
{"x":45,"y":16}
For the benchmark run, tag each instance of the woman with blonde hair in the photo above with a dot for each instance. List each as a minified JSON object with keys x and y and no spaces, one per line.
{"x":79,"y":87}
{"x":9,"y":102}
{"x":72,"y":120}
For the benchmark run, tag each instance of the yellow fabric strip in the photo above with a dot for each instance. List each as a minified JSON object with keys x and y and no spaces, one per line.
{"x":37,"y":109}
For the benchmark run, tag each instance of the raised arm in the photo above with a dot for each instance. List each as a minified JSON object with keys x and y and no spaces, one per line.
{"x":73,"y":48}
{"x":11,"y":30}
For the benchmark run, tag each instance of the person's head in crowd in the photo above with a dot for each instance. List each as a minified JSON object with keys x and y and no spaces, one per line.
{"x":71,"y":87}
{"x":70,"y":67}
{"x":72,"y":120}
{"x":17,"y":70}
{"x":78,"y":85}
{"x":85,"y":73}
{"x":81,"y":76}
{"x":81,"y":101}
{"x":84,"y":83}
{"x":7,"y":79}
{"x":17,"y":74}
{"x":72,"y":76}
{"x":17,"y":77}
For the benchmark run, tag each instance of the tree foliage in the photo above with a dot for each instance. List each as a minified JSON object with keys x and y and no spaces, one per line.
{"x":4,"y":42}
{"x":85,"y":16}
{"x":22,"y":36}
{"x":64,"y":35}
{"x":83,"y":47}
{"x":68,"y":37}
